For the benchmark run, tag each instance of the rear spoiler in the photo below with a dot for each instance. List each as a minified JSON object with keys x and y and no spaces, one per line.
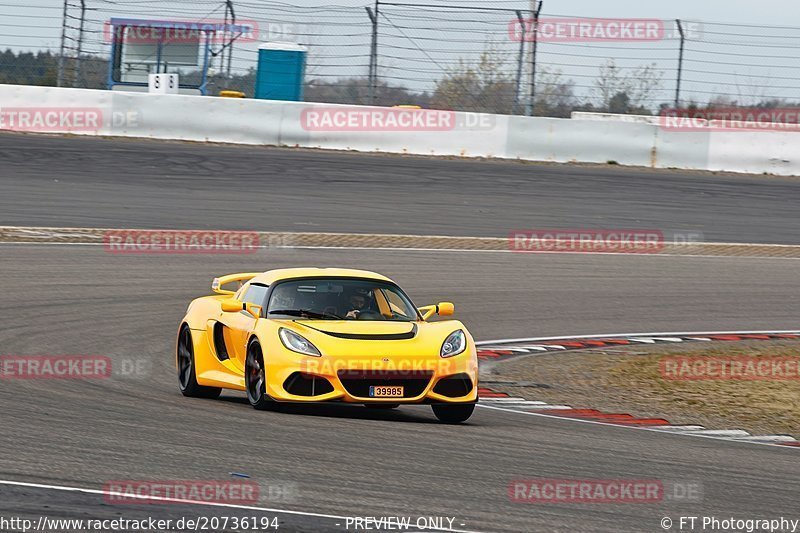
{"x":218,"y":283}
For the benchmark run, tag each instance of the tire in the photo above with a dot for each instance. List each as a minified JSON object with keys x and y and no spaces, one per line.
{"x":187,"y":379}
{"x":453,"y":413}
{"x":255,"y":378}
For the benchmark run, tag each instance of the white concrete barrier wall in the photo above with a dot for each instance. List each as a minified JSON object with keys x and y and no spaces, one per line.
{"x":564,"y":141}
{"x":587,"y":138}
{"x":473,"y":134}
{"x":755,"y":152}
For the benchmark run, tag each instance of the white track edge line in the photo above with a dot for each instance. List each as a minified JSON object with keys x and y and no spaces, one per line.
{"x":61,"y":229}
{"x":191,"y":502}
{"x":407,"y":249}
{"x":631,"y":427}
{"x":617,"y":335}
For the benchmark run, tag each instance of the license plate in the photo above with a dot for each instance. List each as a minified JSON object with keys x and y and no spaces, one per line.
{"x":385,"y":392}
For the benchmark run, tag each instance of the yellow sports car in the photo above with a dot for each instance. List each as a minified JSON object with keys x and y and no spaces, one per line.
{"x":326,"y":334}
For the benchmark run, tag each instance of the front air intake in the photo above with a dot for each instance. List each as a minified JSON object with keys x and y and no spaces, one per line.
{"x":300,"y":384}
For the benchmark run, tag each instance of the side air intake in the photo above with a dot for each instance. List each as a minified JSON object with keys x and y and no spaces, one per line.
{"x":454,"y":386}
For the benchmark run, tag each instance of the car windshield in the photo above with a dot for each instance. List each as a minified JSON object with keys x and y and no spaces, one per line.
{"x":341,"y":299}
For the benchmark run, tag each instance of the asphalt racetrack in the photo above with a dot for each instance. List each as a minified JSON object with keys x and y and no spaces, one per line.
{"x":85,"y":182}
{"x":345,"y":461}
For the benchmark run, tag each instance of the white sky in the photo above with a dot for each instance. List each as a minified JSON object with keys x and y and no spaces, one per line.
{"x":766,"y":12}
{"x":758,"y":69}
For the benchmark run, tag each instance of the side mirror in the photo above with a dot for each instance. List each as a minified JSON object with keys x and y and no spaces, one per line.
{"x":441,"y":309}
{"x":232,"y":305}
{"x":445,"y":309}
{"x":253,"y":309}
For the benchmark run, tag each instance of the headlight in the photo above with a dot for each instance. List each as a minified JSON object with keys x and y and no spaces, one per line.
{"x":454,"y":344}
{"x":297,"y":343}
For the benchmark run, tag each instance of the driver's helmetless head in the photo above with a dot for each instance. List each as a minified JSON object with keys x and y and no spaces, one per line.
{"x":358,"y":301}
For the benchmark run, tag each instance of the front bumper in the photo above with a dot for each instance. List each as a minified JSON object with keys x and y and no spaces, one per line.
{"x":425,"y":379}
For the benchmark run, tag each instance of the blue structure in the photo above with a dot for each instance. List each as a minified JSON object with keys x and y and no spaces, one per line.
{"x":281,"y":71}
{"x":159,"y":44}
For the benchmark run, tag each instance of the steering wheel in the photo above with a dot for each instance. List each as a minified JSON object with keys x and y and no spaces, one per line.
{"x":369,"y":315}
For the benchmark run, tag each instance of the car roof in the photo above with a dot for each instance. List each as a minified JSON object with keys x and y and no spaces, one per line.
{"x":271,"y":276}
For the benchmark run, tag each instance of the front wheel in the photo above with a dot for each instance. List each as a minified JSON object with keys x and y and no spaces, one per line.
{"x":187,"y":379}
{"x":255,"y":377}
{"x":453,"y":413}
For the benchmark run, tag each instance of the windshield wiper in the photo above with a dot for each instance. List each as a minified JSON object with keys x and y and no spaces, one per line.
{"x":306,"y":313}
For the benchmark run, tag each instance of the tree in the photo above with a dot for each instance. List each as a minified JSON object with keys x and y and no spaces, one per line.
{"x":627,"y":90}
{"x":620,"y":103}
{"x":357,"y":91}
{"x":485,"y":87}
{"x":555,"y":97}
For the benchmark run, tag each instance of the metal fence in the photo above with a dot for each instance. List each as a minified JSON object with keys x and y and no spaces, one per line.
{"x":514,"y":57}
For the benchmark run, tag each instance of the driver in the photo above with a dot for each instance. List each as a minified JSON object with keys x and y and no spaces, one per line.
{"x":358,"y":305}
{"x":283,"y":299}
